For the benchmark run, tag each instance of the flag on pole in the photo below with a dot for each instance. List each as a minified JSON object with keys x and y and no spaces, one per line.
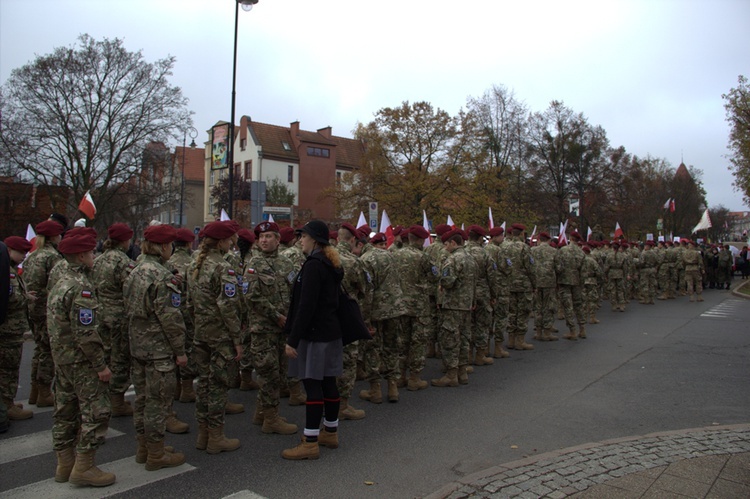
{"x":224,"y":216}
{"x":450,"y":222}
{"x":671,"y":206}
{"x":618,"y":231}
{"x":462,"y":227}
{"x":385,"y":227}
{"x":588,"y":233}
{"x":503,"y":226}
{"x":426,"y":226}
{"x":668,"y":204}
{"x":362,"y":220}
{"x":705,"y":222}
{"x":492,"y":222}
{"x":563,"y":228}
{"x":533,"y":232}
{"x":30,"y":233}
{"x":87,"y":206}
{"x":270,"y":218}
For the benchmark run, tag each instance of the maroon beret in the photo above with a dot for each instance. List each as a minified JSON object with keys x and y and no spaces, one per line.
{"x":333,"y":234}
{"x":624,"y":245}
{"x":287,"y":234}
{"x":378,"y":238}
{"x":397,"y":230}
{"x":266,"y":227}
{"x":451,"y":233}
{"x":248,"y":235}
{"x":478,"y":230}
{"x":76,"y":243}
{"x":364,"y":229}
{"x":442,"y":229}
{"x":586,"y":249}
{"x":694,"y":243}
{"x":81,"y":230}
{"x":49,"y":228}
{"x":521,"y":227}
{"x":575,"y":235}
{"x":185,"y":235}
{"x":218,"y":230}
{"x":496,"y":231}
{"x":544,"y":235}
{"x":650,"y":243}
{"x":606,"y":241}
{"x":18,"y":243}
{"x":350,"y":228}
{"x":232,"y":225}
{"x":119,"y":232}
{"x":160,"y":234}
{"x":419,"y":231}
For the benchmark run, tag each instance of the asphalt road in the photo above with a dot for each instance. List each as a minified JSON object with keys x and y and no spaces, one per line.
{"x":669,"y":366}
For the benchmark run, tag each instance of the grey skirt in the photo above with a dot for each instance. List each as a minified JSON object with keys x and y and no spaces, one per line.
{"x":317,"y":359}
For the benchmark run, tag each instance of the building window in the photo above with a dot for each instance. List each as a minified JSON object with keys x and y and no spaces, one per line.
{"x":318,"y":151}
{"x":290,"y":173}
{"x":338,"y":178}
{"x":286,"y":145}
{"x":249,"y":170}
{"x":243,"y":144}
{"x":211,"y":179}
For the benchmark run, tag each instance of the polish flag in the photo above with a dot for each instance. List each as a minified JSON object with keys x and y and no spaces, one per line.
{"x":87,"y":206}
{"x":224,"y":215}
{"x":362,"y":220}
{"x":618,"y":230}
{"x":450,"y":222}
{"x":671,"y":206}
{"x":385,"y":227}
{"x":492,"y":222}
{"x":588,"y":233}
{"x":270,"y":218}
{"x":503,"y":226}
{"x":426,"y":225}
{"x":562,"y":238}
{"x":30,"y":234}
{"x":533,"y":232}
{"x":668,"y":204}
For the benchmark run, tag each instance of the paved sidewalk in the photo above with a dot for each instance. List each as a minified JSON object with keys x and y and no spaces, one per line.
{"x":701,"y":462}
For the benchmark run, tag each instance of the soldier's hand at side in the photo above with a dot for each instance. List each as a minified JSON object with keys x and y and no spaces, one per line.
{"x":290,"y":352}
{"x":178,"y":279}
{"x":104,"y":375}
{"x":238,"y":349}
{"x":181,"y":360}
{"x":31,"y":296}
{"x":281,"y":321}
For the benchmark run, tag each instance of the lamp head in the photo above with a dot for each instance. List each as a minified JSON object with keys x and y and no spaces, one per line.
{"x":247,"y":5}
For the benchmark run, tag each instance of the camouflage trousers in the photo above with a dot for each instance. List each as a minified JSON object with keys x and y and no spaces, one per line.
{"x":113,"y":329}
{"x":617,"y":295}
{"x":345,"y":382}
{"x":694,"y":282}
{"x":481,"y":323}
{"x":590,"y":294}
{"x":11,"y":349}
{"x":246,"y":362}
{"x":544,"y":313}
{"x":213,"y":381}
{"x":190,"y":371}
{"x":454,"y":337}
{"x":82,"y":408}
{"x":647,"y":285}
{"x":500,"y":318}
{"x":414,"y":334}
{"x":434,"y":321}
{"x":271,"y":365}
{"x":662,"y":279}
{"x":42,"y":364}
{"x":571,"y":301}
{"x":519,"y":308}
{"x":382,"y":352}
{"x":681,"y":283}
{"x":154,"y":382}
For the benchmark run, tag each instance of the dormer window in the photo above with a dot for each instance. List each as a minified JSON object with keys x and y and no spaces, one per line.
{"x":318,"y":151}
{"x":286,"y":145}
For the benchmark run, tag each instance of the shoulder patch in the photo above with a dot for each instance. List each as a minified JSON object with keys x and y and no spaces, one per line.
{"x":86,"y":293}
{"x":250,"y":270}
{"x":508,"y":262}
{"x":12,"y":275}
{"x":174,"y":281}
{"x":368,"y":277}
{"x":86,"y":316}
{"x":531,"y":260}
{"x":230,"y":290}
{"x":290,"y":277}
{"x":176,"y":299}
{"x":435,"y":270}
{"x":446,"y":272}
{"x":230,"y":271}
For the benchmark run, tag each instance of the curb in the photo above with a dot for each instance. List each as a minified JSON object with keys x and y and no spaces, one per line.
{"x":736,"y":290}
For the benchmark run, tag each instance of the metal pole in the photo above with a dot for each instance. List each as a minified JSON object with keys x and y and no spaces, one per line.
{"x":182,"y":180}
{"x":230,"y":152}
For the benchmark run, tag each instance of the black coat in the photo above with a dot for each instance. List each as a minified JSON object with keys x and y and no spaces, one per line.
{"x":315,"y":299}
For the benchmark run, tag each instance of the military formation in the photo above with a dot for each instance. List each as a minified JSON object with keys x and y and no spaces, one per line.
{"x":189,"y":325}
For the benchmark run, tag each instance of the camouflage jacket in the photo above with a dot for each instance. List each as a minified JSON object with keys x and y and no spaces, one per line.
{"x":180,"y":261}
{"x":678,"y":262}
{"x":615,"y":267}
{"x":437,"y":254}
{"x":152,"y":303}
{"x":499,"y":278}
{"x":356,"y":280}
{"x":16,"y":321}
{"x":215,"y":299}
{"x":458,"y":281}
{"x":569,"y":263}
{"x":72,"y":308}
{"x":591,"y":272}
{"x":387,"y":298}
{"x":725,"y":259}
{"x":295,"y":254}
{"x":521,"y":263}
{"x":693,"y":260}
{"x":545,"y":265}
{"x":111,"y":268}
{"x":484,"y":269}
{"x":649,"y":260}
{"x":36,"y":270}
{"x":270,"y":278}
{"x":56,"y":273}
{"x":418,"y":275}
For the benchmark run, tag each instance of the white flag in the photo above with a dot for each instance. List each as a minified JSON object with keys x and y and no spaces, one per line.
{"x":426,"y":225}
{"x":361,"y":220}
{"x":224,"y":217}
{"x":450,"y":222}
{"x":533,"y":232}
{"x":270,"y":218}
{"x":503,"y":226}
{"x":588,"y":233}
{"x":704,"y":224}
{"x":669,"y":202}
{"x":492,"y":222}
{"x":385,"y":222}
{"x":30,"y":233}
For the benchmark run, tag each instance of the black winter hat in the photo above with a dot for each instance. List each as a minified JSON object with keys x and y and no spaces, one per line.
{"x":317,"y":230}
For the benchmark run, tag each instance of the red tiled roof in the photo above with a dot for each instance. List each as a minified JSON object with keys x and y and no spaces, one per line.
{"x":348,"y":152}
{"x":194,"y":162}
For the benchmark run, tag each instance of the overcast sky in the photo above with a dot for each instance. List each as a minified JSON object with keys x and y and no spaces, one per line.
{"x":650,"y":72}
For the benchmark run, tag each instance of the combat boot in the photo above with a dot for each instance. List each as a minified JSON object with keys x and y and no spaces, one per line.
{"x":305,"y":450}
{"x":571,"y":335}
{"x":348,"y":412}
{"x":500,"y":352}
{"x":548,"y":336}
{"x":85,"y":471}
{"x":522,"y":345}
{"x":593,"y":319}
{"x":538,"y":334}
{"x":202,"y":441}
{"x":296,"y":395}
{"x":449,"y":379}
{"x":328,"y":439}
{"x":187,"y":392}
{"x":392,"y":390}
{"x":582,"y":331}
{"x":174,"y":425}
{"x":481,"y":358}
{"x":273,"y":423}
{"x":692,"y":297}
{"x":66,"y":459}
{"x":141,"y":452}
{"x":374,"y":394}
{"x":247,"y":382}
{"x":232,"y":408}
{"x":415,"y":383}
{"x":159,"y":458}
{"x":463,"y":375}
{"x":217,"y":442}
{"x":258,"y":415}
{"x":511,"y":342}
{"x":34,"y":393}
{"x":16,"y":413}
{"x":700,"y":298}
{"x":430,"y":350}
{"x":44,"y":396}
{"x":120,"y":407}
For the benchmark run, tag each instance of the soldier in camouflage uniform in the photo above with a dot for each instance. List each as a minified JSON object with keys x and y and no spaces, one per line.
{"x":292,"y":249}
{"x":382,"y":353}
{"x":36,"y":270}
{"x":82,"y":402}
{"x":673,"y":258}
{"x":245,"y":242}
{"x":545,"y":265}
{"x":679,"y":277}
{"x":11,"y":331}
{"x":569,"y":262}
{"x":693,"y":263}
{"x":724,"y":268}
{"x":270,"y":278}
{"x":111,"y":268}
{"x":662,"y":272}
{"x":591,"y":279}
{"x":616,"y":270}
{"x":481,"y":316}
{"x":522,"y":284}
{"x":437,"y":254}
{"x":456,"y":295}
{"x":355,"y":282}
{"x":157,"y":342}
{"x":648,"y":263}
{"x":500,"y":287}
{"x":212,"y":284}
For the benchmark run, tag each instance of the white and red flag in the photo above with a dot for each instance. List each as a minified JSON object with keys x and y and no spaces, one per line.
{"x":87,"y":206}
{"x":618,"y":230}
{"x":385,"y":227}
{"x":426,"y":226}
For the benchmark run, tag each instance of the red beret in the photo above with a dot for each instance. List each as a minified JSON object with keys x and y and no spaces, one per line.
{"x":18,"y":243}
{"x":232,"y":225}
{"x":81,"y":230}
{"x":575,"y":235}
{"x":248,"y":235}
{"x":419,"y":231}
{"x":442,"y":229}
{"x":614,"y":244}
{"x":544,"y":235}
{"x":694,"y":243}
{"x":218,"y":230}
{"x":378,"y":238}
{"x":364,"y":229}
{"x":266,"y":227}
{"x":350,"y":228}
{"x":119,"y":232}
{"x":520,"y":227}
{"x":496,"y":231}
{"x":606,"y":241}
{"x":49,"y":228}
{"x":333,"y":234}
{"x":160,"y":234}
{"x":650,"y":243}
{"x":624,"y":245}
{"x":452,"y":233}
{"x":287,"y":234}
{"x":185,"y":235}
{"x":586,"y":249}
{"x":562,"y":244}
{"x":478,"y":230}
{"x":76,"y":243}
{"x":397,"y":230}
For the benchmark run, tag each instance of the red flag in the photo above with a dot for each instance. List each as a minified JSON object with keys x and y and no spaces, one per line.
{"x":671,"y":206}
{"x":618,"y":231}
{"x":87,"y":206}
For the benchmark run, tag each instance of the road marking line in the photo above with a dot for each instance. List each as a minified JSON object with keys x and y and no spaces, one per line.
{"x":244,"y":494}
{"x":34,"y":444}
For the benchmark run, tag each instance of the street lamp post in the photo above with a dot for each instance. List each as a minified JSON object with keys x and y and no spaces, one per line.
{"x":193,"y":134}
{"x":247,"y":5}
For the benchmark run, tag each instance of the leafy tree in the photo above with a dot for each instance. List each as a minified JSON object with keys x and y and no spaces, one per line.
{"x":278,"y":193}
{"x":220,"y":193}
{"x":737,"y":106}
{"x":82,"y":116}
{"x":720,"y":227}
